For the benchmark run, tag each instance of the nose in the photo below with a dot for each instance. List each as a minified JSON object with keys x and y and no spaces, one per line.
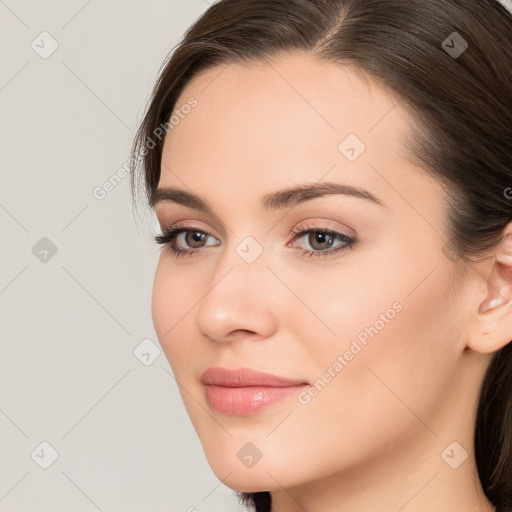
{"x":240,"y":301}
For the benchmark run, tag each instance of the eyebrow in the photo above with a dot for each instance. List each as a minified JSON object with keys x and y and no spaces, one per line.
{"x":273,"y":201}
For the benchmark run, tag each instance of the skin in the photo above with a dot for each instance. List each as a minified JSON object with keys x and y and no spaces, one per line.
{"x":373,"y":437}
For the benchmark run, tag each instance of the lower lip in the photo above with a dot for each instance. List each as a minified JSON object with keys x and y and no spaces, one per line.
{"x":247,"y":400}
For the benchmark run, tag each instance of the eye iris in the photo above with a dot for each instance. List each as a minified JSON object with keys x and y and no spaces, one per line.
{"x":319,"y":237}
{"x":193,"y":237}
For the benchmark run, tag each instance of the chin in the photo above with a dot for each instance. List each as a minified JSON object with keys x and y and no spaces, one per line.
{"x":232,"y":473}
{"x":248,"y":483}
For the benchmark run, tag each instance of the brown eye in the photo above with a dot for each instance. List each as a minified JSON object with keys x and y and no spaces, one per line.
{"x":320,"y":240}
{"x":183,"y":241}
{"x":194,"y":239}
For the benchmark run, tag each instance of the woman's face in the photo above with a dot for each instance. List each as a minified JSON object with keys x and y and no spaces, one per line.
{"x":372,"y":327}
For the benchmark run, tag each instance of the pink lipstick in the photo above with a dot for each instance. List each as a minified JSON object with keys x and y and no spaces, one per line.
{"x":243,"y":391}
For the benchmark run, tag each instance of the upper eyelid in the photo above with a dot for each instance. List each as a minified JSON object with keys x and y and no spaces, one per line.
{"x":320,"y":224}
{"x":301,"y":226}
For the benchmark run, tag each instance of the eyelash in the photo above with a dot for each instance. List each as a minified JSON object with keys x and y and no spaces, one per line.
{"x":169,"y":235}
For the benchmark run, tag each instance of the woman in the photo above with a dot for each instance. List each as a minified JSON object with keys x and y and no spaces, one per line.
{"x":333,"y":181}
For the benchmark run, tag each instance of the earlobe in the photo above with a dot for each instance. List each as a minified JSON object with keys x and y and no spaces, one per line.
{"x":493,"y":327}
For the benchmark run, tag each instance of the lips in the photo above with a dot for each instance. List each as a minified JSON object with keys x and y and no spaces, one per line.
{"x":243,"y":392}
{"x":244,"y":377}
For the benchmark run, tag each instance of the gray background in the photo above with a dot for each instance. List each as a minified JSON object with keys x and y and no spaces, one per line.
{"x":70,"y":323}
{"x":76,"y":272}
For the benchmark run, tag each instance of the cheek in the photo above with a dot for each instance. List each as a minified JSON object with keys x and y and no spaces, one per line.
{"x":392,"y":357}
{"x":171,"y":300}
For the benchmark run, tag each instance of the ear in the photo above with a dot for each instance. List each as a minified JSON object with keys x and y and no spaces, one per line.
{"x":492,"y":326}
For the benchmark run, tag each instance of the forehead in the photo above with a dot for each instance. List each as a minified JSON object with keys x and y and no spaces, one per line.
{"x":297,"y":103}
{"x":287,"y":121}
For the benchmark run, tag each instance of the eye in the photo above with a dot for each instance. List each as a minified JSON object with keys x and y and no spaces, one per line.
{"x":193,"y":237}
{"x":321,"y":239}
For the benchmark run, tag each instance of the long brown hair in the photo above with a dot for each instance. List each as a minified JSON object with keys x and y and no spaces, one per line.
{"x":450,"y":63}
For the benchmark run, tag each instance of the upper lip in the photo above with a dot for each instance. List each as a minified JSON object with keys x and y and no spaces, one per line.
{"x":243,"y":377}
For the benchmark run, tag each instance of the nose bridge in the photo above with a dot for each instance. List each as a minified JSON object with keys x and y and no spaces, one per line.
{"x":241,"y":267}
{"x":239,"y":295}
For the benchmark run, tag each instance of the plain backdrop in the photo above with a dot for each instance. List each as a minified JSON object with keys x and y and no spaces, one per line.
{"x":90,"y":415}
{"x":77,"y":268}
